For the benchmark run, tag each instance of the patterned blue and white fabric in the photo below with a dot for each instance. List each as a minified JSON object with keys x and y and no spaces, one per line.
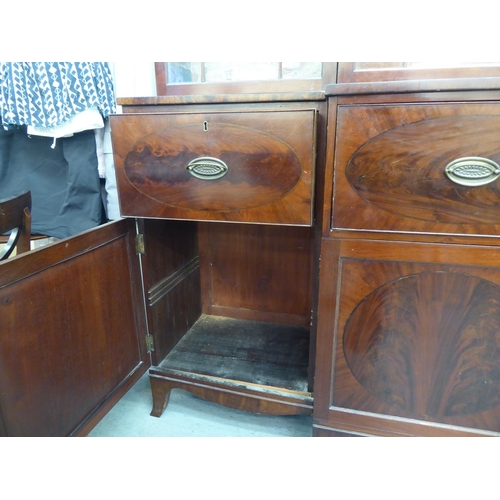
{"x":47,"y":94}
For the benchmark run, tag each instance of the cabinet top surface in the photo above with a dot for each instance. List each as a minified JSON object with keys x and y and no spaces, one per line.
{"x":411,"y":86}
{"x":223,"y":98}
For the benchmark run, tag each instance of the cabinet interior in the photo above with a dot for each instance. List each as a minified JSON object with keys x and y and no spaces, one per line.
{"x":233,"y":307}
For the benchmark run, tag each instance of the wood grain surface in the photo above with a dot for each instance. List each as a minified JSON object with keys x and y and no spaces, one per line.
{"x":429,"y":344}
{"x":415,"y":334}
{"x":270,"y":158}
{"x":390,"y":168}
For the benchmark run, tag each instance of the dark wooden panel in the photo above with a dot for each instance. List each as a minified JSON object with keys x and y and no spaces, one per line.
{"x":270,"y":158}
{"x":70,"y":331}
{"x":260,"y":272}
{"x":222,"y":103}
{"x":425,"y":343}
{"x":171,"y":281}
{"x":390,"y":168}
{"x":174,"y":313}
{"x":431,"y":89}
{"x":416,"y":334}
{"x":3,"y":430}
{"x":168,"y":246}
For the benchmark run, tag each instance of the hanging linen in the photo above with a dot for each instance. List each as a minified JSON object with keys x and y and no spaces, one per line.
{"x":39,"y":103}
{"x":48,"y":94}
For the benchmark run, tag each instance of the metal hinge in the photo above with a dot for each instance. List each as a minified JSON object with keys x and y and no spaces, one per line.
{"x":139,"y":244}
{"x":150,"y":346}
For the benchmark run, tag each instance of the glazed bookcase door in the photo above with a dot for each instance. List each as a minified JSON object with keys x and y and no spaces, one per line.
{"x":413,"y":331}
{"x":357,"y":72}
{"x":217,"y":78}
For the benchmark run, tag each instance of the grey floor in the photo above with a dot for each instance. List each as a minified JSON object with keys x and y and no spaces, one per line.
{"x":189,"y":416}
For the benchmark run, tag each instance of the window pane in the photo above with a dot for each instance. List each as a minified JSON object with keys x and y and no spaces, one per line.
{"x":231,"y":71}
{"x":299,"y":70}
{"x":184,"y":72}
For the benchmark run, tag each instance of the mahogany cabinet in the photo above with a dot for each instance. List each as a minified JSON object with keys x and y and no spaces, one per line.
{"x":291,"y":253}
{"x":230,"y":294}
{"x":408,"y":314}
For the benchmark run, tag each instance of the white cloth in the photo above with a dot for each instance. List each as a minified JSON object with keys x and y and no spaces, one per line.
{"x":88,"y":119}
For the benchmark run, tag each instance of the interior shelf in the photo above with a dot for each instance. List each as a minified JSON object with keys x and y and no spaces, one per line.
{"x":265,"y":354}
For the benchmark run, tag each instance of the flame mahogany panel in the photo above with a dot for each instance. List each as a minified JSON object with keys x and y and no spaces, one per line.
{"x":440,"y":328}
{"x":390,"y":163}
{"x":270,"y":158}
{"x":417,"y":339}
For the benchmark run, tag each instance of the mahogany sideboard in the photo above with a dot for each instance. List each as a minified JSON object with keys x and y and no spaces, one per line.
{"x":332,"y":253}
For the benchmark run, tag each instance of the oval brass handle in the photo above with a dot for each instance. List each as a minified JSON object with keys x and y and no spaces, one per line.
{"x":472,"y":171}
{"x":207,"y":168}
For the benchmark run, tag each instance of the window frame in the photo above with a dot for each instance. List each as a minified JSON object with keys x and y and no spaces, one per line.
{"x":163,"y":88}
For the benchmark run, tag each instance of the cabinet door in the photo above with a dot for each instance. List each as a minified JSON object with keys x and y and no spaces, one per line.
{"x":71,"y":332}
{"x":172,"y":284}
{"x":409,"y":338}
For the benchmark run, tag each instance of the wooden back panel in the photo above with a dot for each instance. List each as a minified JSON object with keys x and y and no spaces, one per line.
{"x":257,"y":272}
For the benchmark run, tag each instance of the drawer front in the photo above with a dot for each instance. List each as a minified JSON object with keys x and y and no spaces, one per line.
{"x":253,"y":167}
{"x":413,"y":338}
{"x":391,"y":168}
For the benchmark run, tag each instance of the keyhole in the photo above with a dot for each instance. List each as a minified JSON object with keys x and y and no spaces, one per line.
{"x":205,"y":126}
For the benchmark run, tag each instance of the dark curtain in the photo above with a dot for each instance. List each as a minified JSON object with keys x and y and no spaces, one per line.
{"x":64,"y":180}
{"x":61,"y":174}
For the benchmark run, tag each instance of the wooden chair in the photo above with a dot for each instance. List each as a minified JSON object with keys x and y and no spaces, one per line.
{"x":15,"y":216}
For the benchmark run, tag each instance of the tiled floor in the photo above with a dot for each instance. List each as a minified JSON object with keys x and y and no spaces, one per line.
{"x":189,"y":416}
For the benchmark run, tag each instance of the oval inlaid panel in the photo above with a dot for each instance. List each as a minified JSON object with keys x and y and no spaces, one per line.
{"x":403,"y":170}
{"x":429,"y":344}
{"x":261,"y":168}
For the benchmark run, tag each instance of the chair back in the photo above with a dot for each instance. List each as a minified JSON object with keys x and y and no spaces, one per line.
{"x":15,"y":217}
